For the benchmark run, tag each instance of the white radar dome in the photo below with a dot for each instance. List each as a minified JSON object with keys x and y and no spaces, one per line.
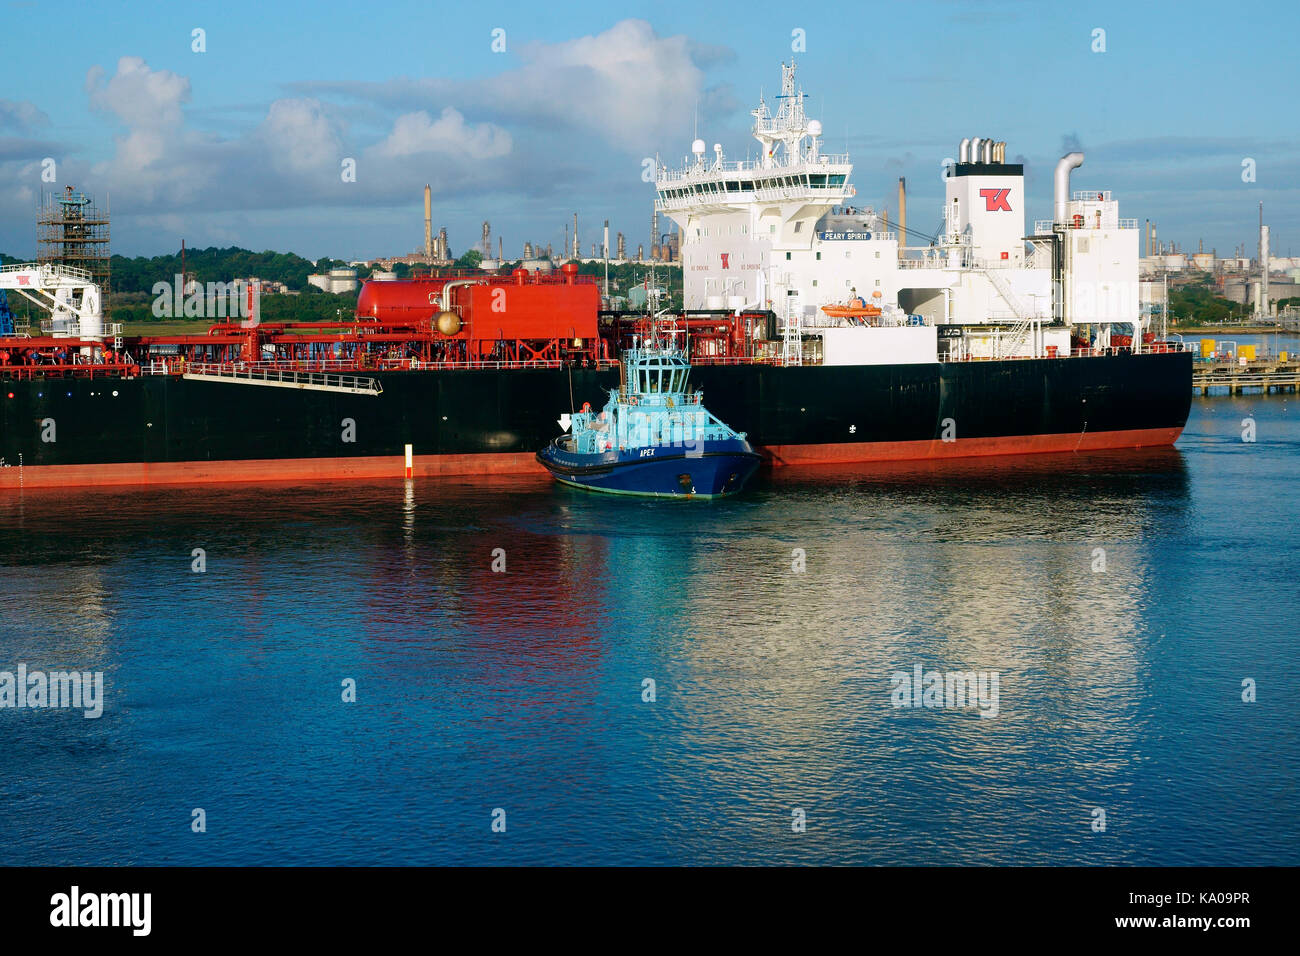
{"x":815,"y":128}
{"x":697,"y":147}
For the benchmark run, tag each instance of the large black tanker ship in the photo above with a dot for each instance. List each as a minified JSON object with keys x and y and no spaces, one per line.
{"x":276,"y":402}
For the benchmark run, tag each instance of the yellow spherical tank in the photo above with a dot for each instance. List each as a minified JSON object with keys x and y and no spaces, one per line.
{"x":448,"y":323}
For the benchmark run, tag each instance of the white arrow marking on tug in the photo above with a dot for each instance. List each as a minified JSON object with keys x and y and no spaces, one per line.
{"x":564,"y":421}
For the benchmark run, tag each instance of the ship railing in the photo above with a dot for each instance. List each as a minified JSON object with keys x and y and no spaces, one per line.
{"x":707,"y":170}
{"x":1043,"y":227}
{"x":49,"y":268}
{"x":1053,"y":352}
{"x":734,"y":360}
{"x":62,"y":370}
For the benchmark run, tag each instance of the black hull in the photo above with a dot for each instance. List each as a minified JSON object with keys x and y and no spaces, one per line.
{"x":831,"y":413}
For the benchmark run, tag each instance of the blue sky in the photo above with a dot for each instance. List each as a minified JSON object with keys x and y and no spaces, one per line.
{"x":243,"y":144}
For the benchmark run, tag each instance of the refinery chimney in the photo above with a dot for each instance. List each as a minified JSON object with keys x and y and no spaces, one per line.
{"x":577,"y":249}
{"x":1263,"y":268}
{"x":487,"y":239}
{"x":428,"y":222}
{"x":902,"y":216}
{"x":622,"y":248}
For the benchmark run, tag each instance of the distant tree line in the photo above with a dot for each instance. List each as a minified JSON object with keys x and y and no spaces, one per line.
{"x":216,"y":265}
{"x":1197,"y":303}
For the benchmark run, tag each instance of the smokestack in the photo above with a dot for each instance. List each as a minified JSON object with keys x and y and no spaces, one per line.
{"x":640,"y":253}
{"x":428,"y":222}
{"x":1061,"y":186}
{"x":487,"y":239}
{"x":577,"y":249}
{"x":963,"y":151}
{"x":500,"y":250}
{"x":606,"y":246}
{"x":902,"y":215}
{"x":622,"y":249}
{"x":1263,"y":270}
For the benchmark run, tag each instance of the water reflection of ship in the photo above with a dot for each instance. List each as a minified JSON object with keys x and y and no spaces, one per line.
{"x":1154,"y":468}
{"x":475,"y":568}
{"x":1043,"y":569}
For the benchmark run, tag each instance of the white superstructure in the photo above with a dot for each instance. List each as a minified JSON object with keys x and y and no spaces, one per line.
{"x":779,"y":233}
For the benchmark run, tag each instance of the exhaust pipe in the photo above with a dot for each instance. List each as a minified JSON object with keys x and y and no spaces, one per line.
{"x":963,"y":151}
{"x":1061,"y":186}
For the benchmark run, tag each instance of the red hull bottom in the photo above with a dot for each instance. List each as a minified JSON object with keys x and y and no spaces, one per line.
{"x":323,"y":469}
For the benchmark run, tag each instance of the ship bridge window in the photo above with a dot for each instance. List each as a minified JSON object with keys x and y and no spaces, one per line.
{"x":836,"y":180}
{"x":733,"y":187}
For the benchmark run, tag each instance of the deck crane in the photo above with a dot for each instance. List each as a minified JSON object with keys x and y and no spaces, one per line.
{"x":70,"y":295}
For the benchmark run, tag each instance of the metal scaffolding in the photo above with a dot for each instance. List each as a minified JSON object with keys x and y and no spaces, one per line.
{"x":71,"y":231}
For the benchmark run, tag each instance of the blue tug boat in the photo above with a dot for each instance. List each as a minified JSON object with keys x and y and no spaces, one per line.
{"x":653,"y":438}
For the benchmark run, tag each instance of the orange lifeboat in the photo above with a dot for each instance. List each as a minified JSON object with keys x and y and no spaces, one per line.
{"x":855,"y":308}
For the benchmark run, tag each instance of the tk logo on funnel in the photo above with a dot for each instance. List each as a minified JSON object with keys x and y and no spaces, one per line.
{"x":996,"y":199}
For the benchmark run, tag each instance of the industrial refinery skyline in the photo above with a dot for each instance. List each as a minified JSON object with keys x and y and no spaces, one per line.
{"x":187,"y":126}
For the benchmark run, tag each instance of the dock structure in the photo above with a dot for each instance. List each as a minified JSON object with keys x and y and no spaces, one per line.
{"x":1266,"y":373}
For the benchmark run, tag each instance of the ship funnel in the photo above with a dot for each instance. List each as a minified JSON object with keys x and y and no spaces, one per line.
{"x":1061,"y":187}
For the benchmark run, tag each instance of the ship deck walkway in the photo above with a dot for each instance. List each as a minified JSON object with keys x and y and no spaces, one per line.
{"x":279,"y":378}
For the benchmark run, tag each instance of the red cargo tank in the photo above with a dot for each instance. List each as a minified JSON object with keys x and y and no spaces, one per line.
{"x":400,"y":301}
{"x":529,"y":311}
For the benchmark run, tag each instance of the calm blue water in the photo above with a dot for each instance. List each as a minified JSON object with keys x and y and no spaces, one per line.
{"x":523,"y":691}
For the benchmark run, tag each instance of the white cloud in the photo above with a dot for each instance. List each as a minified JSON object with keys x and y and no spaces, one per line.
{"x":142,"y":98}
{"x":291,"y":159}
{"x":630,"y":88}
{"x":22,"y":116}
{"x":417,"y":133}
{"x":300,"y":138}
